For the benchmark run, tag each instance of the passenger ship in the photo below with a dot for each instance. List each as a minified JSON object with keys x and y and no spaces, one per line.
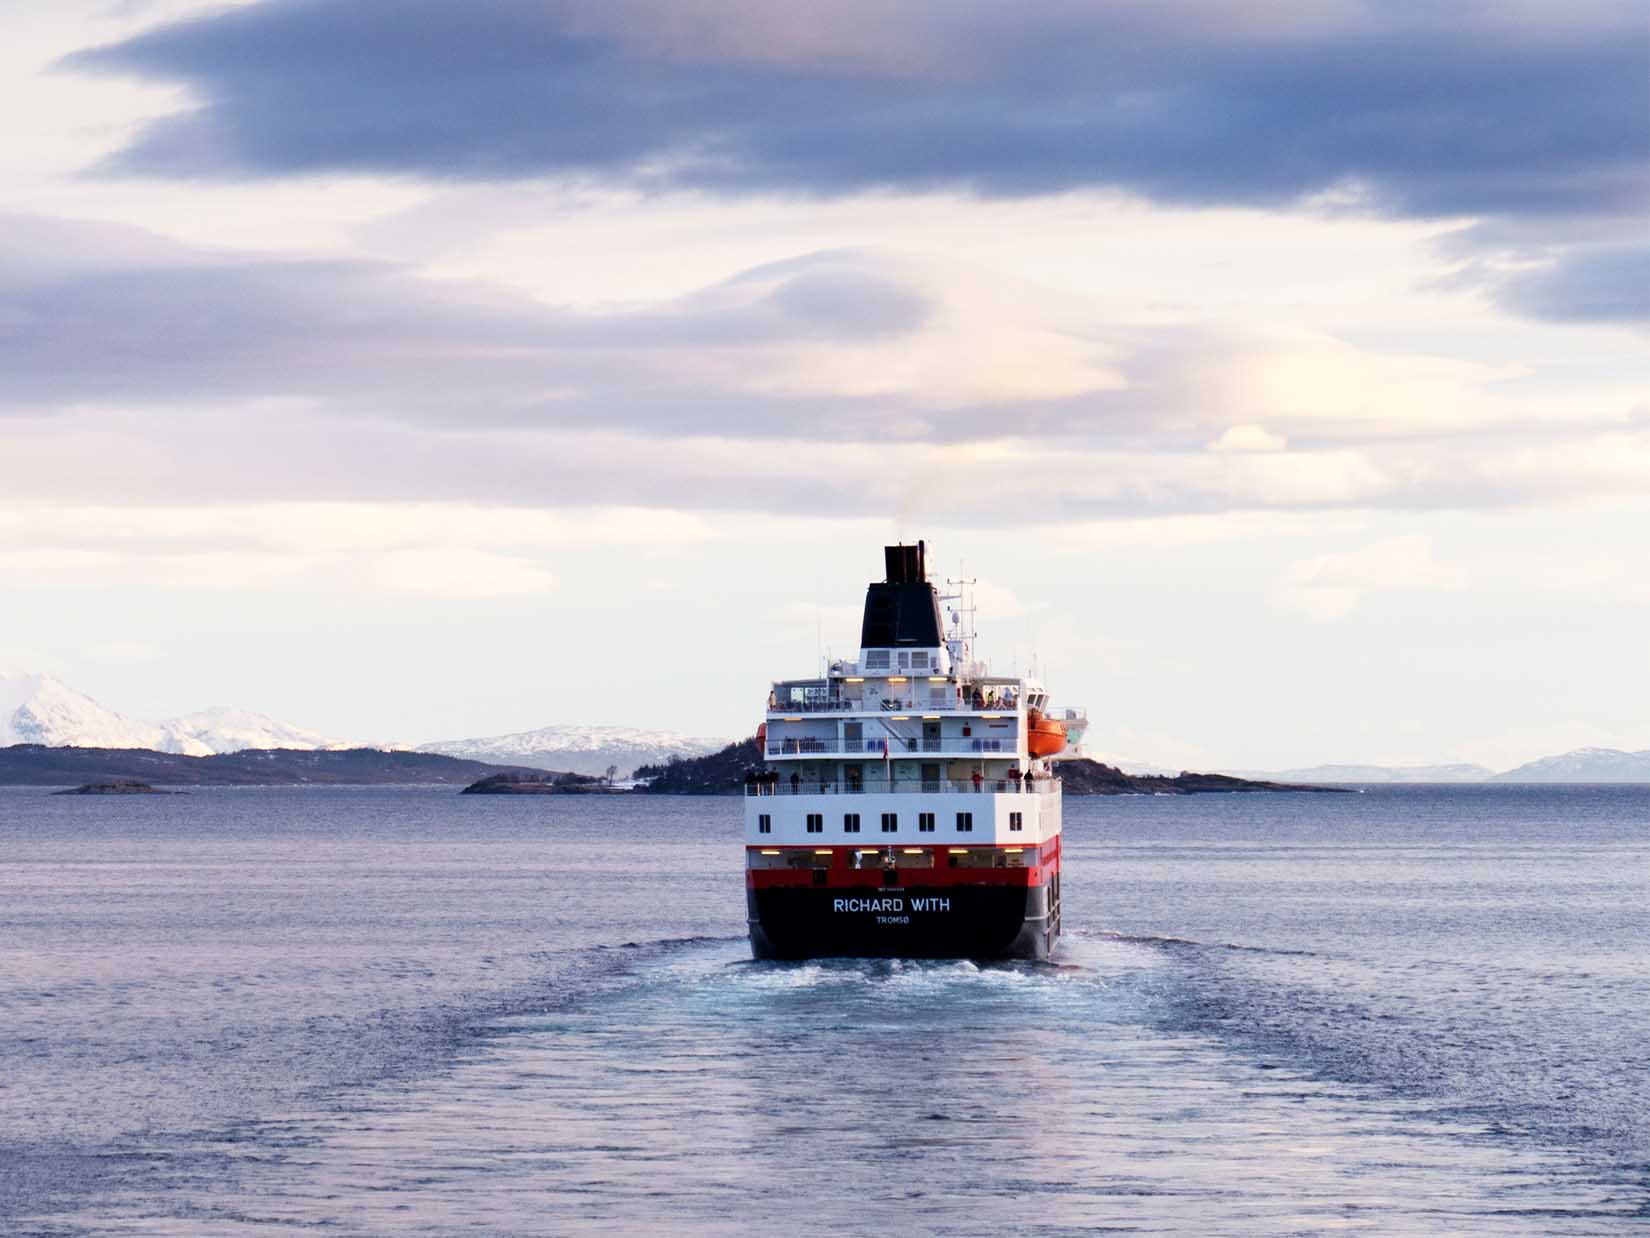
{"x":909,"y":807}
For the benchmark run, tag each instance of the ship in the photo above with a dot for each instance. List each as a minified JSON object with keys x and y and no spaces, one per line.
{"x":910,"y":804}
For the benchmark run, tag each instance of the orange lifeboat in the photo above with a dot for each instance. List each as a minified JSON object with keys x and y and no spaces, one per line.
{"x":1044,"y":736}
{"x":762,"y":737}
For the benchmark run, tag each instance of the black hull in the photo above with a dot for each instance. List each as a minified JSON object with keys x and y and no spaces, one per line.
{"x":911,"y":921}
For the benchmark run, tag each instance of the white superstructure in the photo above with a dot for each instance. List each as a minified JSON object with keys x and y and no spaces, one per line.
{"x":914,"y":741}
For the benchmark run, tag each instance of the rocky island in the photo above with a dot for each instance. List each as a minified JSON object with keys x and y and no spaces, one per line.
{"x":1081,"y":776}
{"x":516,"y":782}
{"x":122,"y":786}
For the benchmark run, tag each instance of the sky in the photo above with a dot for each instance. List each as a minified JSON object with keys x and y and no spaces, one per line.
{"x":412,"y":370}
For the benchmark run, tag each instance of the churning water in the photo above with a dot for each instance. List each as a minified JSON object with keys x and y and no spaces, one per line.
{"x":1416,"y":1010}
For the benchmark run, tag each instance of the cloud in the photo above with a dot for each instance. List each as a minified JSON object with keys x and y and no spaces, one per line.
{"x":1476,"y":109}
{"x":455,"y":573}
{"x":843,"y":381}
{"x":439,"y":549}
{"x":166,"y":325}
{"x":1003,"y":483}
{"x":1600,"y":283}
{"x":1328,"y":587}
{"x":1249,"y":438}
{"x":852,"y":345}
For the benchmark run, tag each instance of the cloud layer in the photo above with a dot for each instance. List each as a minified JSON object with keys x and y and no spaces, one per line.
{"x":1465,"y":109}
{"x":847,"y":381}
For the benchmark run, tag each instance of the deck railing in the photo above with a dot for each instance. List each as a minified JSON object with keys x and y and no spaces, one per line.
{"x":912,"y":786}
{"x":804,"y":745}
{"x":898,"y":702}
{"x":889,"y":704}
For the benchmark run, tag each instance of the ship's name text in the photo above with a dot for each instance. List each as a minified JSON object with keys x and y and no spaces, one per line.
{"x":890,"y":904}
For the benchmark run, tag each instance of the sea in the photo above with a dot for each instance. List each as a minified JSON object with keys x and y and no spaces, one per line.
{"x":1410,"y":1010}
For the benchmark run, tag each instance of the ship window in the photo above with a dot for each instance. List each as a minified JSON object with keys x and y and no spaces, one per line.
{"x":992,"y":857}
{"x":791,"y":858}
{"x":764,"y":824}
{"x":850,"y":823}
{"x":919,"y":660}
{"x":1015,"y":821}
{"x":890,"y":822}
{"x":816,"y":823}
{"x":925,"y":823}
{"x":965,"y":823}
{"x":876,"y":659}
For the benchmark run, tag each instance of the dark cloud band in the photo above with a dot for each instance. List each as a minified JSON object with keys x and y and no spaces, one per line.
{"x":1469,"y":116}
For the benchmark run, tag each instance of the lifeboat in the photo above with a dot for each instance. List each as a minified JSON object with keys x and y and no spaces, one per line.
{"x":762,"y":737}
{"x":1044,"y":736}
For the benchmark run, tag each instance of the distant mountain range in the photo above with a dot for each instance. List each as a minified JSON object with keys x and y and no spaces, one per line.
{"x":582,"y":749}
{"x":38,"y":709}
{"x":1584,"y":765}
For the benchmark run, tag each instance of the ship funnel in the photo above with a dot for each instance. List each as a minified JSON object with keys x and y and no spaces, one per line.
{"x":904,"y":609}
{"x":906,"y":564}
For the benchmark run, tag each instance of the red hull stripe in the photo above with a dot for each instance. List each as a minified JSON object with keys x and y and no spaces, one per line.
{"x":838,"y":872}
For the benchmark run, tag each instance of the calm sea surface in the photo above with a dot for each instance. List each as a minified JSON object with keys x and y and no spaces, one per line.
{"x":1411,"y":1011}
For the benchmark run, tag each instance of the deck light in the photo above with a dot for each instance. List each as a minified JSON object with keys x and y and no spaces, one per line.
{"x":911,"y":851}
{"x":936,"y":679}
{"x":854,"y":679}
{"x":765,"y":851}
{"x":1013,"y":850}
{"x":900,"y":718}
{"x":796,"y":719}
{"x":823,"y":851}
{"x":896,"y":679}
{"x":958,"y":850}
{"x":930,"y":717}
{"x":991,"y":717}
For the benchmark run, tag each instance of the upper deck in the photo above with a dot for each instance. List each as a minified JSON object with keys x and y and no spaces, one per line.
{"x":915,"y":691}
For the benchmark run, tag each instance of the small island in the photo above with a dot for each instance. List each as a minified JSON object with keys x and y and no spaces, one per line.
{"x":119,"y":786}
{"x":516,"y":782}
{"x":1081,"y":776}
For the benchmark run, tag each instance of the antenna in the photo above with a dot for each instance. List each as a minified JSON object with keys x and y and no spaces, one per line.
{"x":960,"y":634}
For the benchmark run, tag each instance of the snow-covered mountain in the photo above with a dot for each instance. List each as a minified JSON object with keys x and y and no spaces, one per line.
{"x":1584,"y":765}
{"x":223,"y":728}
{"x":582,"y":749}
{"x":38,"y":709}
